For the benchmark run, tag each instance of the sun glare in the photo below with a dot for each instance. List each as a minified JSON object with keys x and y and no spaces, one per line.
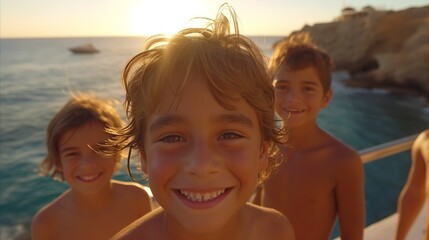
{"x":166,"y":17}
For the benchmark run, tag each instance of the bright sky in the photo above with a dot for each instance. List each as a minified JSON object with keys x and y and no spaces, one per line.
{"x":72,"y":18}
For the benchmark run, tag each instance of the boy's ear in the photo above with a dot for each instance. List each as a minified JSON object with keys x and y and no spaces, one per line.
{"x":263,"y":156}
{"x":143,"y":160}
{"x":327,"y":98}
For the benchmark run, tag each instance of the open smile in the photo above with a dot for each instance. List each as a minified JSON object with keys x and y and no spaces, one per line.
{"x":202,"y":199}
{"x":89,"y":178}
{"x":294,"y":110}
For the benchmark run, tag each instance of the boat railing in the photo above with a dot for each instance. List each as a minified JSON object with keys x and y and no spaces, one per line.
{"x":387,"y":149}
{"x":385,"y":228}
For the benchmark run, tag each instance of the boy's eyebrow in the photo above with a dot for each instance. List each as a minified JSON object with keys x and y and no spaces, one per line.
{"x":311,"y":83}
{"x":97,"y":144}
{"x":279,"y":80}
{"x":235,"y":118}
{"x":164,"y":121}
{"x":67,"y":149}
{"x":305,"y":82}
{"x":224,"y":118}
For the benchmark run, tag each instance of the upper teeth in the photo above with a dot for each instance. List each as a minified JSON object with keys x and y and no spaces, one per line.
{"x":201,"y":197}
{"x":89,"y":177}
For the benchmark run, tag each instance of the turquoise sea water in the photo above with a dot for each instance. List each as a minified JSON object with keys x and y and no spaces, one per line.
{"x":36,"y":76}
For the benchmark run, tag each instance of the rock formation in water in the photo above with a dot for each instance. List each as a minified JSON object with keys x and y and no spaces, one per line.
{"x":380,"y":49}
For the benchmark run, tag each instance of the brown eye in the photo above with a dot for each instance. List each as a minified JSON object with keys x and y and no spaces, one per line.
{"x":309,"y":89}
{"x":70,"y":154}
{"x":229,"y":136}
{"x":173,"y":139}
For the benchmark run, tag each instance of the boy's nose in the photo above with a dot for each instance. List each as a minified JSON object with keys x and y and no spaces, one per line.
{"x":89,"y":156}
{"x":292,"y":95}
{"x":202,"y":161}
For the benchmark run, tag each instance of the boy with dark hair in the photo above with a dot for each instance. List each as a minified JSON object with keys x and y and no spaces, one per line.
{"x":321,"y":178}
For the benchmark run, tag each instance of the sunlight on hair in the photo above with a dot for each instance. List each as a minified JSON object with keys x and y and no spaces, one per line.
{"x":163,"y":16}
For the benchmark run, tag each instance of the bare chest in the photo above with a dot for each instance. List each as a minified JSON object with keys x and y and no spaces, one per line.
{"x":306,"y":176}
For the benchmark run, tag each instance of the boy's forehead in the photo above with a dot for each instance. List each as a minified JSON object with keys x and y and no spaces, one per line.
{"x":89,"y":131}
{"x":287,"y":74}
{"x":198,"y":91}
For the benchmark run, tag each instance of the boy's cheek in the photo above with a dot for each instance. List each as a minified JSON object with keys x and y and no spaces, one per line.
{"x":280,"y":99}
{"x":160,"y":161}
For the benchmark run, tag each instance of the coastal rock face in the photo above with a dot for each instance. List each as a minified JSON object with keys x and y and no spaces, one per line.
{"x":382,"y":49}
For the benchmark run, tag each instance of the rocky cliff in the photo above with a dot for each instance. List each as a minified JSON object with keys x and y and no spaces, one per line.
{"x":380,"y":49}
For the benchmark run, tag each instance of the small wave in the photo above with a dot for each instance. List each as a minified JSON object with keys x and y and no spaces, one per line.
{"x":15,"y":232}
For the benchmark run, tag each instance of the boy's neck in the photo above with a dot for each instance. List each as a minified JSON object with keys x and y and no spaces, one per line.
{"x":95,"y":202}
{"x":304,"y":136}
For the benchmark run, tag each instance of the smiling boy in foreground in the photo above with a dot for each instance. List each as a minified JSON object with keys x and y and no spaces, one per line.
{"x":200,"y":107}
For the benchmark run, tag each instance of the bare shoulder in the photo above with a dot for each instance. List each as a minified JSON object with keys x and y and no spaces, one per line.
{"x":131,"y":188}
{"x":425,"y":134}
{"x":421,"y":145}
{"x":54,"y":208}
{"x":146,"y":227}
{"x":271,"y":224}
{"x":134,"y":195}
{"x":42,"y":222}
{"x":45,"y":220}
{"x":341,"y":153}
{"x":422,"y":138}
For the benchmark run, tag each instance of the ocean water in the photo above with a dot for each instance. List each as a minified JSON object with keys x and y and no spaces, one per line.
{"x":37,"y":75}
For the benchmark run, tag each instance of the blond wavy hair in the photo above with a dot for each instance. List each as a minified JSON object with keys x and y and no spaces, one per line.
{"x":232,"y":64}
